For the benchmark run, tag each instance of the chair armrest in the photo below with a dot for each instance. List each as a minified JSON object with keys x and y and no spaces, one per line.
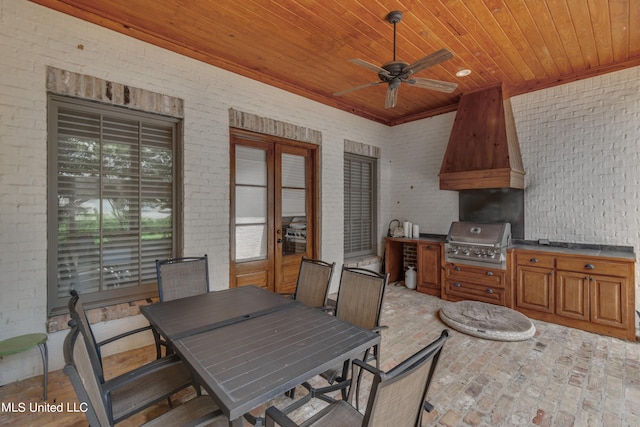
{"x":143,"y":371}
{"x":123,"y":335}
{"x":364,"y":365}
{"x":287,"y":294}
{"x":379,"y":328}
{"x":328,"y":309}
{"x":273,"y":414}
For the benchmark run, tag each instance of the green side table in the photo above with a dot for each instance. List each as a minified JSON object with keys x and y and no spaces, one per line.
{"x":22,"y":343}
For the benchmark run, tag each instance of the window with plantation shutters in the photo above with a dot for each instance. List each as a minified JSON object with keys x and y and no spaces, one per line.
{"x":112,"y":201}
{"x":359,"y":205}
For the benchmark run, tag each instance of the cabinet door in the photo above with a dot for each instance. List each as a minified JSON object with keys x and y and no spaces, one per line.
{"x":535,"y":289}
{"x":429,"y":269}
{"x":608,"y":301}
{"x":572,"y":295}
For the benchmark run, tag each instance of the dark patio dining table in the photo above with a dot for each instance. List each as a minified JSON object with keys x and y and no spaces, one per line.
{"x":247,"y":345}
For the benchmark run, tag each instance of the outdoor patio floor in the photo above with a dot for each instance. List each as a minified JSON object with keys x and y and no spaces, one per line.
{"x":560,"y":377}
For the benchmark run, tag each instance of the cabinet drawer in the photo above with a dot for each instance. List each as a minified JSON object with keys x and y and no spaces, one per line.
{"x":475,"y":292}
{"x":476,"y":275}
{"x":535,"y":259}
{"x":593,"y":266}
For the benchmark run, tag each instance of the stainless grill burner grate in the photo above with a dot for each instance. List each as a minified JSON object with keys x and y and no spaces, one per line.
{"x":478,"y":244}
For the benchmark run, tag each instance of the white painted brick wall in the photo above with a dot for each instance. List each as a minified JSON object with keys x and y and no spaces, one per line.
{"x":415,"y":153}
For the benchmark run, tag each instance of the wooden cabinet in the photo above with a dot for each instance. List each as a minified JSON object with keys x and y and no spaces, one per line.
{"x":465,"y":282}
{"x":535,"y":288}
{"x":595,"y":294}
{"x":428,"y":262}
{"x":429,"y":256}
{"x":595,"y":291}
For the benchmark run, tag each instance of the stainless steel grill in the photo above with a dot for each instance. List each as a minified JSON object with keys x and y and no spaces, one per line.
{"x":478,"y":244}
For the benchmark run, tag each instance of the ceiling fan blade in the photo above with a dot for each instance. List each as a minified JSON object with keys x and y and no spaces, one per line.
{"x":342,"y":92}
{"x":428,"y":61}
{"x":392,"y":96}
{"x":438,"y":85}
{"x":370,"y":66}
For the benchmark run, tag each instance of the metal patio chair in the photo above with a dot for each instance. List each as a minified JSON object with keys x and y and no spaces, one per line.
{"x":314,"y":279}
{"x":359,"y":301}
{"x":180,"y":278}
{"x":397,"y":397}
{"x":114,"y":400}
{"x":133,"y":391}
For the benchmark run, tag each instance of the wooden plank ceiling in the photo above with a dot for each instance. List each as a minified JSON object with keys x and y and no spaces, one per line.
{"x":303,"y":46}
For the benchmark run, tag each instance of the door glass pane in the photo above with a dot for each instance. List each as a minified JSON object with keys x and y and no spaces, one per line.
{"x":294,"y":206}
{"x":293,"y":171}
{"x":251,"y":203}
{"x":251,"y":166}
{"x":251,"y":242}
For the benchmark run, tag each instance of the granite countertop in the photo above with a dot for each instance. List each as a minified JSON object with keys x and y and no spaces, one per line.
{"x":426,"y":237}
{"x":586,"y":249}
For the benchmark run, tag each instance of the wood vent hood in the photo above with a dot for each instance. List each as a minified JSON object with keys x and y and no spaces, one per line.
{"x":483,"y":149}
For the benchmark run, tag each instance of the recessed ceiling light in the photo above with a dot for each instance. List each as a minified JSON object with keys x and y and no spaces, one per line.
{"x":462,"y":73}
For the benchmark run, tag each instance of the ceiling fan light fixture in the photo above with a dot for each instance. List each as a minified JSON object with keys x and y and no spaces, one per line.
{"x":463,"y":73}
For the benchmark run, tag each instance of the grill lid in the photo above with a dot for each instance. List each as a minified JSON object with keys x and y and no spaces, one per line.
{"x":497,"y":235}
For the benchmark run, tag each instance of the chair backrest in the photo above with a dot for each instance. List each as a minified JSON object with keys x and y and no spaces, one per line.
{"x":80,"y":368}
{"x":313,"y":283}
{"x":397,"y":396}
{"x":360,"y":296}
{"x":79,"y":316}
{"x":182,"y":277}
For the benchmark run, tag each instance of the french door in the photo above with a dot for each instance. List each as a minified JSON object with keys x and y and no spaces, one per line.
{"x":273,"y":210}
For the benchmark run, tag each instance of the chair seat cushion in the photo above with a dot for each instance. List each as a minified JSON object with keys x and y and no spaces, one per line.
{"x":131,"y":396}
{"x":338,"y":414}
{"x":201,"y":408}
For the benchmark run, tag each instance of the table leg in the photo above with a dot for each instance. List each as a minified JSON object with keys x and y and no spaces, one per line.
{"x":238,"y":422}
{"x":45,"y":367}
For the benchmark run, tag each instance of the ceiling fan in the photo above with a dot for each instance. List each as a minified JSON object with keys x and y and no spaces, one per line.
{"x":397,"y":72}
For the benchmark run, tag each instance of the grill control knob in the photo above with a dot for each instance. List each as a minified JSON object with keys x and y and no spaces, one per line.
{"x":465,"y":251}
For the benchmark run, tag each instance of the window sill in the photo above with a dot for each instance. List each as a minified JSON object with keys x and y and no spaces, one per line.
{"x":362,"y":262}
{"x":102,"y":314}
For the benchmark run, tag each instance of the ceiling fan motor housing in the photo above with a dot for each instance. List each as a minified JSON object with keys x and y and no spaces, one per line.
{"x":395,"y":68}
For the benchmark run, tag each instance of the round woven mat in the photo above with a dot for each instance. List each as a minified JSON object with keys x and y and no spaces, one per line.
{"x":488,"y":321}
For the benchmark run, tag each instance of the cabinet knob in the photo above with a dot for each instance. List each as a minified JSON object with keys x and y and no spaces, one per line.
{"x":457,"y":285}
{"x":489,"y":290}
{"x":429,"y":246}
{"x":534,"y":260}
{"x":456,"y":268}
{"x":590,"y":267}
{"x":489,"y":273}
